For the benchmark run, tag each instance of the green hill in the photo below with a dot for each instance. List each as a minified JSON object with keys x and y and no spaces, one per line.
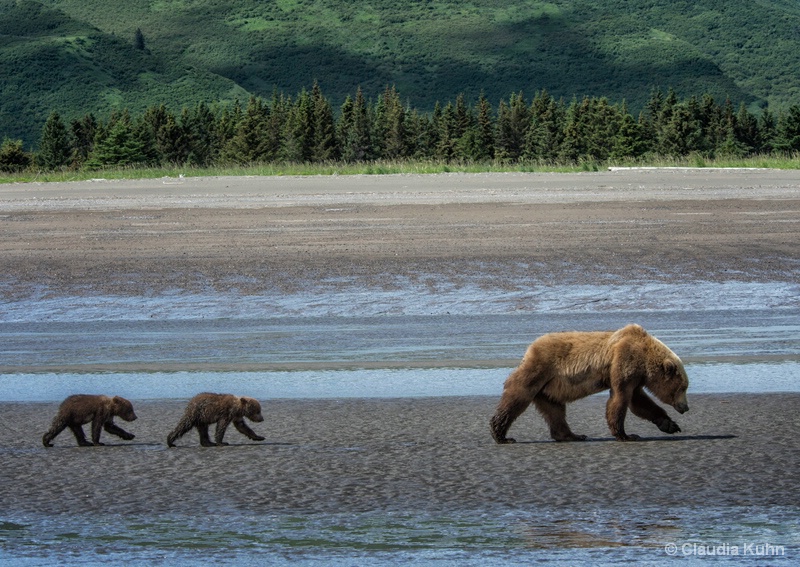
{"x":77,"y":56}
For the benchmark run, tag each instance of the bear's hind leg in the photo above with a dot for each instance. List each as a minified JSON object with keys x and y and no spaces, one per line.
{"x":57,"y":427}
{"x":555,"y":414}
{"x":80,"y":436}
{"x":509,"y":409}
{"x":205,"y":440}
{"x":184,"y":426}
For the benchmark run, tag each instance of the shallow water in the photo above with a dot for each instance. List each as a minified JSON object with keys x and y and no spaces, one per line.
{"x":562,"y":537}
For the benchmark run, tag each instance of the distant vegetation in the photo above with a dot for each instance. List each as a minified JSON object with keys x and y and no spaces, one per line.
{"x":80,"y":56}
{"x":305,"y":129}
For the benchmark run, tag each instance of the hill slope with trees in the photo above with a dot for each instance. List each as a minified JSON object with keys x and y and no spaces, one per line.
{"x":79,"y":56}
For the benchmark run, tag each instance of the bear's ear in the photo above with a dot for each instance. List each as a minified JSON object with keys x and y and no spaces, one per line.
{"x":670,"y":369}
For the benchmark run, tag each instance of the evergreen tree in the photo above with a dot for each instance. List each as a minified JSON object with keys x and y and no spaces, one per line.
{"x":248,"y":143}
{"x":389,"y":127}
{"x":484,"y":131}
{"x":13,"y":157}
{"x":202,"y":135}
{"x":117,"y":146}
{"x":682,"y":133}
{"x":324,"y":147}
{"x":55,"y":149}
{"x":354,"y":129}
{"x":788,"y":135}
{"x":513,"y":121}
{"x":138,"y":40}
{"x":767,"y":131}
{"x":545,"y":136}
{"x":299,"y":130}
{"x":83,"y":134}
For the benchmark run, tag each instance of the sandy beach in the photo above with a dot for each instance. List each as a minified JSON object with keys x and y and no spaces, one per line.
{"x":429,"y":454}
{"x":262,"y":234}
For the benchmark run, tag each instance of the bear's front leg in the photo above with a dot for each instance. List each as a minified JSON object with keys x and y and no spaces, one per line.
{"x":643,"y":406}
{"x":667,"y":425}
{"x":115,"y":429}
{"x":222,"y":425}
{"x":242,"y":428}
{"x":616,"y":409}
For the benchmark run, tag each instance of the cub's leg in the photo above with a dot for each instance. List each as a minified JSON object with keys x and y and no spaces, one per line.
{"x":242,"y":428}
{"x":184,"y":426}
{"x":219,"y":432}
{"x":555,"y":414}
{"x":115,"y":429}
{"x":205,"y":440}
{"x":80,"y":437}
{"x":58,"y":426}
{"x":644,"y":407}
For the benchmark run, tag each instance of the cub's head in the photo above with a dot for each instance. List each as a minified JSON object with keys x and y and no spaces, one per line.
{"x":124,"y":409}
{"x":669,"y":382}
{"x":251,"y":409}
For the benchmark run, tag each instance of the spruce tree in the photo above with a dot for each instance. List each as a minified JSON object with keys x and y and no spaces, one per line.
{"x":55,"y":149}
{"x":324,"y":147}
{"x":13,"y":157}
{"x":84,"y":131}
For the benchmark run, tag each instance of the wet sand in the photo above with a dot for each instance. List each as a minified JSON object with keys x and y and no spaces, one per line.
{"x":428,"y":455}
{"x":280,"y":235}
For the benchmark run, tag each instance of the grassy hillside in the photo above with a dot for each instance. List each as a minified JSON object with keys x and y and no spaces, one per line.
{"x":78,"y":55}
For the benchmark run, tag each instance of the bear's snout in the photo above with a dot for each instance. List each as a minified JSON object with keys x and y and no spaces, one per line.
{"x":682,"y":407}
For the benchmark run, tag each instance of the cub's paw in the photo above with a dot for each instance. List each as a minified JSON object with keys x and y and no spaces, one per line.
{"x":128,"y":436}
{"x":570,"y":438}
{"x":258,"y":438}
{"x":668,"y":426}
{"x":628,"y":438}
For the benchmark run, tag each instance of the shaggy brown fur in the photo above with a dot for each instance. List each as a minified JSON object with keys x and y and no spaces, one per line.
{"x":222,"y":409}
{"x":559,"y":368}
{"x":80,"y":409}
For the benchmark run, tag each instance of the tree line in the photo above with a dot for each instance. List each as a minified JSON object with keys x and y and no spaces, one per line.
{"x":305,"y":129}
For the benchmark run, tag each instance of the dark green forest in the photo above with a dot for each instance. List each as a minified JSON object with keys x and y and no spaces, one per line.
{"x":307,"y":129}
{"x":90,"y":56}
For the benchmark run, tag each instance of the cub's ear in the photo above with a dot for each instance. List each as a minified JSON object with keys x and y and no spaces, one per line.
{"x":670,"y":369}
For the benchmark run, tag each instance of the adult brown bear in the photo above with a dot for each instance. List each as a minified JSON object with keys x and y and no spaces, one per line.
{"x":559,"y":368}
{"x":81,"y":409}
{"x":222,"y":409}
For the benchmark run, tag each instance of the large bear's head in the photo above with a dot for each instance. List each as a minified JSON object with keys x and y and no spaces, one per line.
{"x":667,"y":379}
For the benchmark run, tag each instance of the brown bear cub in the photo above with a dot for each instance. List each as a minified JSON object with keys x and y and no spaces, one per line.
{"x":80,"y":409}
{"x":559,"y":368}
{"x":222,"y":409}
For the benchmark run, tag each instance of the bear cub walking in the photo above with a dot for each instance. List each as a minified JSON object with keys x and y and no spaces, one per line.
{"x":222,"y":409}
{"x":81,"y":409}
{"x":559,"y":368}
